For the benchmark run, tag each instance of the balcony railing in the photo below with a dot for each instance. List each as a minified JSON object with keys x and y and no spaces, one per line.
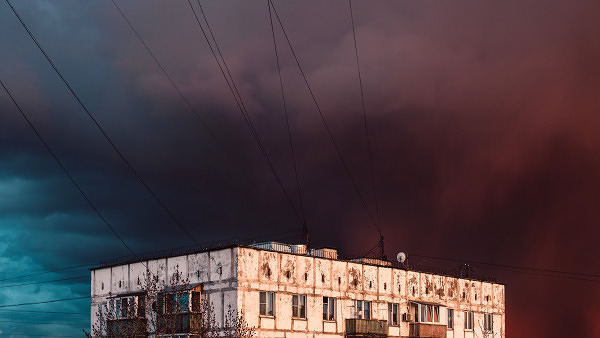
{"x":366,"y":328}
{"x":127,"y":327}
{"x":187,"y":322}
{"x":426,"y":330}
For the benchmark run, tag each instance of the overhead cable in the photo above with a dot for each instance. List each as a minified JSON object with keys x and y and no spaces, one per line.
{"x":44,"y":302}
{"x":329,"y":132}
{"x":64,"y":169}
{"x":102,"y":131}
{"x":44,"y":282}
{"x":48,"y":271}
{"x":289,"y":131}
{"x":225,"y":71}
{"x":362,"y":98}
{"x":176,"y":87}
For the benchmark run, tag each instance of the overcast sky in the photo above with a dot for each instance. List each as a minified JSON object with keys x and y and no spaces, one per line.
{"x":483,"y":123}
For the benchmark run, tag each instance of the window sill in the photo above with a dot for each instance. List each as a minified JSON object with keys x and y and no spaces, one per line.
{"x":266,"y":316}
{"x":299,"y":318}
{"x":329,"y":320}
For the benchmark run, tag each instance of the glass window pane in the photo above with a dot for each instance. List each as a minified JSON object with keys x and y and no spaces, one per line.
{"x":118,"y":308}
{"x":184,"y":300}
{"x":367,"y":310}
{"x":359,"y":313}
{"x":331,"y":309}
{"x":271,"y":301}
{"x":302,"y":306}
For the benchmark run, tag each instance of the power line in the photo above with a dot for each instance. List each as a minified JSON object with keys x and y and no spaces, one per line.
{"x":362,"y":97}
{"x":287,"y":122}
{"x":47,"y":271}
{"x":38,"y":323}
{"x":49,"y":312}
{"x":43,"y":282}
{"x":329,"y":132}
{"x":511,"y":266}
{"x":523,"y":269}
{"x":176,"y":87}
{"x":44,"y":302}
{"x":64,"y":169}
{"x":102,"y":131}
{"x":31,"y":335}
{"x":225,"y":71}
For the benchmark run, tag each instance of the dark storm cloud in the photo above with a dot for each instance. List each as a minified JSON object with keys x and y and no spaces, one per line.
{"x":483,"y":120}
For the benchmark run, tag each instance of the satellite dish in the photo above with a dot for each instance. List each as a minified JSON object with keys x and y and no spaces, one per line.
{"x":401,"y":257}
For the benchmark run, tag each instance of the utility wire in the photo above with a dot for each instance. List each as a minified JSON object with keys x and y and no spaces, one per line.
{"x":48,"y":312}
{"x":38,"y":323}
{"x":238,"y":99}
{"x":183,"y":97}
{"x":329,"y":132}
{"x":362,"y":98}
{"x":31,"y":335}
{"x":48,"y":271}
{"x":287,"y":122}
{"x":43,"y":282}
{"x":44,"y":302}
{"x":64,"y":169}
{"x":511,"y":266}
{"x":112,"y":144}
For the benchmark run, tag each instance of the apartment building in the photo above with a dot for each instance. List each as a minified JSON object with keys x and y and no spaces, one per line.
{"x":284,"y":292}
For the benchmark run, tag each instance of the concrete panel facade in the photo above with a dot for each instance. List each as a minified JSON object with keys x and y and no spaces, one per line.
{"x":233,"y":278}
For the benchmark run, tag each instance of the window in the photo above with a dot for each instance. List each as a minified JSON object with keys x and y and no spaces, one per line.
{"x":425,"y":313}
{"x":488,"y":322}
{"x":363,"y":309}
{"x":299,"y":306}
{"x":430,"y":313}
{"x":450,"y":318}
{"x":126,"y":307}
{"x":196,"y":301}
{"x":267,"y":302}
{"x":414,"y":311}
{"x":392,"y":314}
{"x":171,"y":303}
{"x":468,"y":320}
{"x":328,"y":308}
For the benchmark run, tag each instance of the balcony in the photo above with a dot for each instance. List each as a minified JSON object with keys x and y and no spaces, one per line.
{"x":366,"y":328}
{"x":127,"y":327}
{"x":427,"y":330}
{"x":180,"y":323}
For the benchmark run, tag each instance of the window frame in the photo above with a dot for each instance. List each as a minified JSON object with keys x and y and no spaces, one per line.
{"x":126,"y":307}
{"x":329,"y":309}
{"x":426,"y":313}
{"x":393,"y":314}
{"x":299,"y":306}
{"x":469,"y":320}
{"x":365,"y":309}
{"x":269,"y":303}
{"x":488,"y":322}
{"x":450,"y":319}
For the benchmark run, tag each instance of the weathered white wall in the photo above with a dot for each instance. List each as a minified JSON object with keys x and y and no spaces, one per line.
{"x":232,"y":278}
{"x":199,"y":268}
{"x":261,"y":270}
